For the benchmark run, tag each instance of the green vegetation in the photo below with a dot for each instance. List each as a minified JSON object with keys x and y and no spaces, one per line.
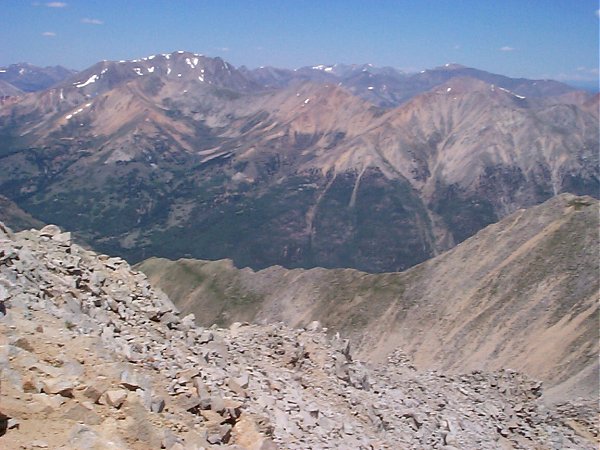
{"x":218,"y":287}
{"x":380,"y":232}
{"x":464,"y":215}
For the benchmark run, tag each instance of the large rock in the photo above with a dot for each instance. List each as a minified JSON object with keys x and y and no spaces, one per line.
{"x":58,"y":386}
{"x":50,"y":231}
{"x":115,"y":398}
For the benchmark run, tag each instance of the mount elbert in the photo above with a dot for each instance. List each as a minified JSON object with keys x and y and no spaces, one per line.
{"x":332,"y":166}
{"x":445,"y":221}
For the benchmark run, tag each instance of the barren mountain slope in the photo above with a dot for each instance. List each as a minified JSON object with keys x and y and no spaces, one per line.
{"x":522,"y":293}
{"x":91,"y":357}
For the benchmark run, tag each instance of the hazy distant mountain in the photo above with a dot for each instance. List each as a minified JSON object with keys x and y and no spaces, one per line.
{"x":521,"y":293}
{"x":181,"y":154}
{"x":8,"y":90}
{"x":388,"y":87}
{"x":520,"y":86}
{"x":592,"y":86}
{"x":29,"y":78}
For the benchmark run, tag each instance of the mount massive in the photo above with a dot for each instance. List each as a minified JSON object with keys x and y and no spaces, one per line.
{"x":335,"y":166}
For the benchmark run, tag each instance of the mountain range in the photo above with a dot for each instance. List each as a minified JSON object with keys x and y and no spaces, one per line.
{"x":179,"y":154}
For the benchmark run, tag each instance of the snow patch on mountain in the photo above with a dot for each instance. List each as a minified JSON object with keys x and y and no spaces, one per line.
{"x":512,"y":93}
{"x":90,"y":80}
{"x":193,"y":62}
{"x":74,"y":113}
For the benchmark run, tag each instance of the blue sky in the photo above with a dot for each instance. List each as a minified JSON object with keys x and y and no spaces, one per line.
{"x":531,"y":38}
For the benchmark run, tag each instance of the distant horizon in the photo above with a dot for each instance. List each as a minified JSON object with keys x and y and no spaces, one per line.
{"x":532,"y":39}
{"x":587,"y":85}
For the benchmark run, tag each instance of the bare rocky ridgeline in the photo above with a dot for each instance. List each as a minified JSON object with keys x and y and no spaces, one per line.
{"x":93,"y":357}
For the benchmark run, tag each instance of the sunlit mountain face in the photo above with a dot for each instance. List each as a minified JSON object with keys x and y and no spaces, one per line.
{"x":179,"y":154}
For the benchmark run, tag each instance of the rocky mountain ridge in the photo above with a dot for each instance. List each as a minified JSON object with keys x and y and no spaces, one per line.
{"x":307,"y":174}
{"x":521,"y":293}
{"x":93,"y":357}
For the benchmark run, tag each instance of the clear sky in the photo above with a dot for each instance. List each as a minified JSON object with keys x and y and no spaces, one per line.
{"x":531,"y":38}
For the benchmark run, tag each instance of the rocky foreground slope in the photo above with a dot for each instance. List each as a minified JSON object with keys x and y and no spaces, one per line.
{"x":93,"y":358}
{"x":522,"y":293}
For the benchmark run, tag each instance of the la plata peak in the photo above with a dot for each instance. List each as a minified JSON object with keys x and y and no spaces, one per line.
{"x":168,"y":64}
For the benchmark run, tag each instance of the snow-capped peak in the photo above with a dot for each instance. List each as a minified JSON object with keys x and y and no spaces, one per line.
{"x":323,"y":67}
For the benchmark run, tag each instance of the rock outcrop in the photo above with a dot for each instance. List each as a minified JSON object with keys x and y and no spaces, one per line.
{"x":93,"y":357}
